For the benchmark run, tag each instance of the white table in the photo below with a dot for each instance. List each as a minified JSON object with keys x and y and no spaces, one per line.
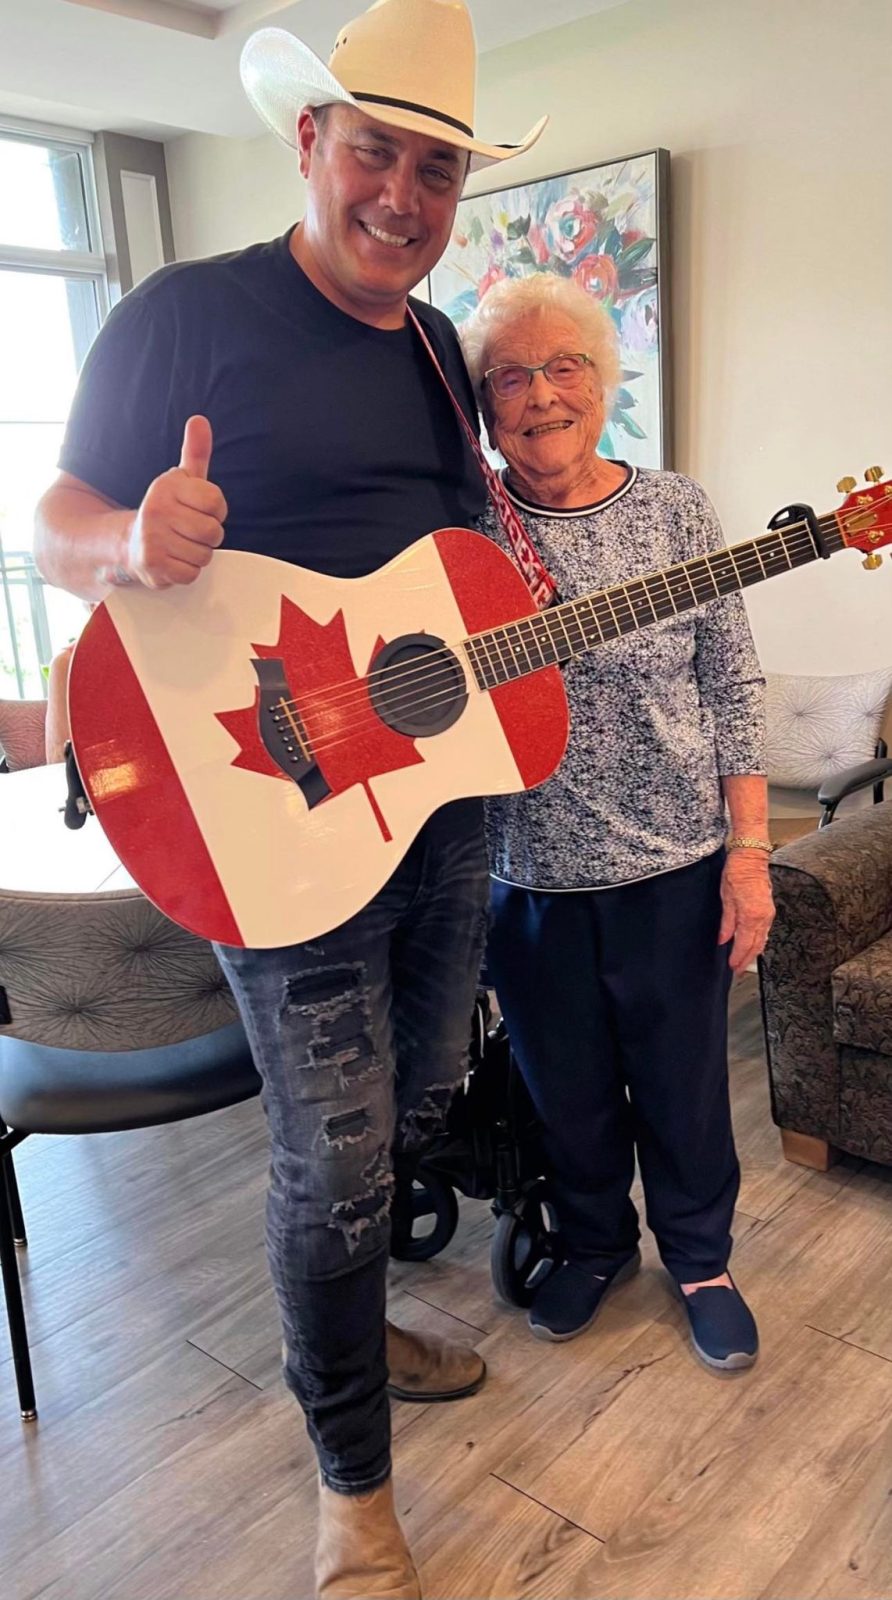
{"x":38,"y":854}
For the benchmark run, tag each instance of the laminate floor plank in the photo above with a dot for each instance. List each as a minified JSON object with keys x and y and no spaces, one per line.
{"x":846,"y":1550}
{"x":152,"y":1539}
{"x":740,"y":1496}
{"x":458,"y":1281}
{"x":825,"y":1241}
{"x":67,"y":1468}
{"x":857,"y":1303}
{"x":169,"y":1462}
{"x":120,"y":1317}
{"x":501,"y":1544}
{"x":527,"y":1390}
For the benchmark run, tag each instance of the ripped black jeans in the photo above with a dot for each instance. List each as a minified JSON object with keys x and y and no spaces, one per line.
{"x":360,"y":1038}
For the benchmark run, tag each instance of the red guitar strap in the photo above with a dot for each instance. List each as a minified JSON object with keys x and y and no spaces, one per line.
{"x":541,"y":584}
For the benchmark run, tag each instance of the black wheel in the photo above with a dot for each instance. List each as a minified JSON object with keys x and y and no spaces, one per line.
{"x":523,"y":1249}
{"x":424,"y":1225}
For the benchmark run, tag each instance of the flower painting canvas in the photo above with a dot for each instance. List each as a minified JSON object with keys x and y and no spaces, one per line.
{"x":606,"y":229}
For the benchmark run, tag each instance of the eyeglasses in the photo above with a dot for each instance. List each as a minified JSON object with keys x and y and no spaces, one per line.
{"x":510,"y":380}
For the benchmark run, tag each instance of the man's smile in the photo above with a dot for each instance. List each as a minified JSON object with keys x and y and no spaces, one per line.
{"x":397,"y":240}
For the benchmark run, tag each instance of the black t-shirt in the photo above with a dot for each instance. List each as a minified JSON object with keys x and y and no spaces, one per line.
{"x":335,"y":444}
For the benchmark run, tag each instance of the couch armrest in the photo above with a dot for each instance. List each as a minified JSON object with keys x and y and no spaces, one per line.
{"x":833,"y":892}
{"x":849,"y":864}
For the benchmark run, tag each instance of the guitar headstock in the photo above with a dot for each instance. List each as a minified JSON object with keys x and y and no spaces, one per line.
{"x":865,"y":516}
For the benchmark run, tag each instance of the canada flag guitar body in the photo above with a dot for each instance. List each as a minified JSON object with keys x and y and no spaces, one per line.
{"x":262,"y":746}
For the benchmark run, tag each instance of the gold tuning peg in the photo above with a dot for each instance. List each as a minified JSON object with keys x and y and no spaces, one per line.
{"x":873,"y":475}
{"x":871,"y":562}
{"x":846,"y":485}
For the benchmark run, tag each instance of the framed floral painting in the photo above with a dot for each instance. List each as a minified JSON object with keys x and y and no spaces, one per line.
{"x":607,"y":229}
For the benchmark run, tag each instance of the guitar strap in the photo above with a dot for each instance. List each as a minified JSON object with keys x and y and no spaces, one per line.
{"x":541,"y":584}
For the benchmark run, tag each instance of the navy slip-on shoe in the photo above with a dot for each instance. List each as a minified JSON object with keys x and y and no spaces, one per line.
{"x":570,"y":1299}
{"x":723,"y":1328}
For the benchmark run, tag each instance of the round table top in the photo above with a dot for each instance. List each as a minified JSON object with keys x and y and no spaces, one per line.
{"x":38,"y":854}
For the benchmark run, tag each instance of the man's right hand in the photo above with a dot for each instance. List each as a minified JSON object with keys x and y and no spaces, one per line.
{"x":180,"y":522}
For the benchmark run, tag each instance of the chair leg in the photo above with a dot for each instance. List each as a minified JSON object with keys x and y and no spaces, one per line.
{"x":15,"y":1205}
{"x":15,"y":1311}
{"x":808,"y":1151}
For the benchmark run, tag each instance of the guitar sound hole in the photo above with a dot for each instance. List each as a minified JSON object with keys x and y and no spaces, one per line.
{"x":417,"y":686}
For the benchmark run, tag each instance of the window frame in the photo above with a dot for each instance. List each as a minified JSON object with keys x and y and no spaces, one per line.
{"x":88,"y":266}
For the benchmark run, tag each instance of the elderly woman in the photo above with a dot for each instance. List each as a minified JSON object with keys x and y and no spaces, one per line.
{"x":623,"y":900}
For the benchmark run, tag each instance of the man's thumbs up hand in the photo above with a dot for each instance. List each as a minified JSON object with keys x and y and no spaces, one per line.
{"x":198,"y":442}
{"x":180,"y":522}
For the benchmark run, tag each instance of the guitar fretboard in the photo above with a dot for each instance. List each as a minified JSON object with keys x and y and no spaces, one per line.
{"x":551,"y":637}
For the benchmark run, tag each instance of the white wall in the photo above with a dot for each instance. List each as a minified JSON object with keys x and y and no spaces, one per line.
{"x":777,"y":117}
{"x":225,"y":193}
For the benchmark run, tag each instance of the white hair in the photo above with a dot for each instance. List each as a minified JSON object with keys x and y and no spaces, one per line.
{"x":542,"y":292}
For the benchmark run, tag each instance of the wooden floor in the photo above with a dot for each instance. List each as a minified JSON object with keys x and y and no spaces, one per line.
{"x":169,"y":1463}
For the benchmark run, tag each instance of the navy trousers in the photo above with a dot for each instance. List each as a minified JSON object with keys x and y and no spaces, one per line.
{"x":616,"y":1004}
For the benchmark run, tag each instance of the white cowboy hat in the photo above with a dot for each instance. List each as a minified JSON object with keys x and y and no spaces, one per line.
{"x":410,"y":63}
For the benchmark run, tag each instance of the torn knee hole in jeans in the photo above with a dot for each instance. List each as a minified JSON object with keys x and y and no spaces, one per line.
{"x":335,"y":1003}
{"x":370,"y":1206}
{"x":421,"y":1122}
{"x":346,"y":1127}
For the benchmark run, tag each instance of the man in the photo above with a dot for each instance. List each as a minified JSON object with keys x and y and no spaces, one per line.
{"x":309,"y":423}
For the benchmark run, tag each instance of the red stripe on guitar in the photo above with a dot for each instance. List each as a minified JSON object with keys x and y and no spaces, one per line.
{"x":134,"y":788}
{"x":489,"y":591}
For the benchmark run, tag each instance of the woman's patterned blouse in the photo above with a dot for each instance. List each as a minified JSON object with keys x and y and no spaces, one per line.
{"x":657,"y":716}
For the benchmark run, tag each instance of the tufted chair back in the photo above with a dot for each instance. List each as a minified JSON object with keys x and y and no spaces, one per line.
{"x":104,"y":972}
{"x":22,"y":734}
{"x":816,"y":728}
{"x":111,"y":1017}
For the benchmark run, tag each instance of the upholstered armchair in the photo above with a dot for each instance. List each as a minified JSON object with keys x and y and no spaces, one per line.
{"x":826,"y":979}
{"x":828,"y":741}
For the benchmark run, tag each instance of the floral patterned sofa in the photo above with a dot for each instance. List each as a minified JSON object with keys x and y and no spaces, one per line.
{"x":826,"y":979}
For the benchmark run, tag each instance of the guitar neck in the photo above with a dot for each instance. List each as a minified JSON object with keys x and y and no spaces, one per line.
{"x":550,"y":638}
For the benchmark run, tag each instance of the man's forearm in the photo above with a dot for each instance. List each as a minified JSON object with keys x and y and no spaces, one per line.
{"x":81,"y":541}
{"x":747,"y":798}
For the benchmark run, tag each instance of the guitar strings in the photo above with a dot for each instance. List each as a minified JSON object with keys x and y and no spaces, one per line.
{"x":618,"y":592}
{"x":443,"y":693}
{"x":440,"y":696}
{"x":313,"y":703}
{"x":325,"y":699}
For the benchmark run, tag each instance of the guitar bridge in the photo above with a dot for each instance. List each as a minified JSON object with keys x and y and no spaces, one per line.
{"x":282,"y":732}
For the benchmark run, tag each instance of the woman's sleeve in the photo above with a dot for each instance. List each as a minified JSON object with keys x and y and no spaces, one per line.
{"x":730,"y":679}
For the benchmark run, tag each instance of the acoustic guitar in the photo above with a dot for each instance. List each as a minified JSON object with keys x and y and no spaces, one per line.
{"x":262,"y":746}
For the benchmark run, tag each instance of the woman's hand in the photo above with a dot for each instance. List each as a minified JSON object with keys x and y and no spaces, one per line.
{"x":747,"y":906}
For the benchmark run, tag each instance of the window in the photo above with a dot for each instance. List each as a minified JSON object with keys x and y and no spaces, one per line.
{"x":53,"y":296}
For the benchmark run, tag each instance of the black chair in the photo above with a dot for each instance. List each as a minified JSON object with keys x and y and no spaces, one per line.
{"x":83,"y":978}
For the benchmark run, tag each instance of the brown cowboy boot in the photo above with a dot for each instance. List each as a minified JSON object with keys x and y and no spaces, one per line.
{"x":425,"y":1367}
{"x":360,"y":1549}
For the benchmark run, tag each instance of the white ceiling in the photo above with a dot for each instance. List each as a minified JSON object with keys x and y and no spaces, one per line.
{"x":137,"y":66}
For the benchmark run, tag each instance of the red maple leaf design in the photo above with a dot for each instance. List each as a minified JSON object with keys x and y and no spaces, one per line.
{"x":350,"y":743}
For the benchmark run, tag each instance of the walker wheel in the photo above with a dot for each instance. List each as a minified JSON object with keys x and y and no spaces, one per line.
{"x":524,"y":1248}
{"x":413,"y":1237}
